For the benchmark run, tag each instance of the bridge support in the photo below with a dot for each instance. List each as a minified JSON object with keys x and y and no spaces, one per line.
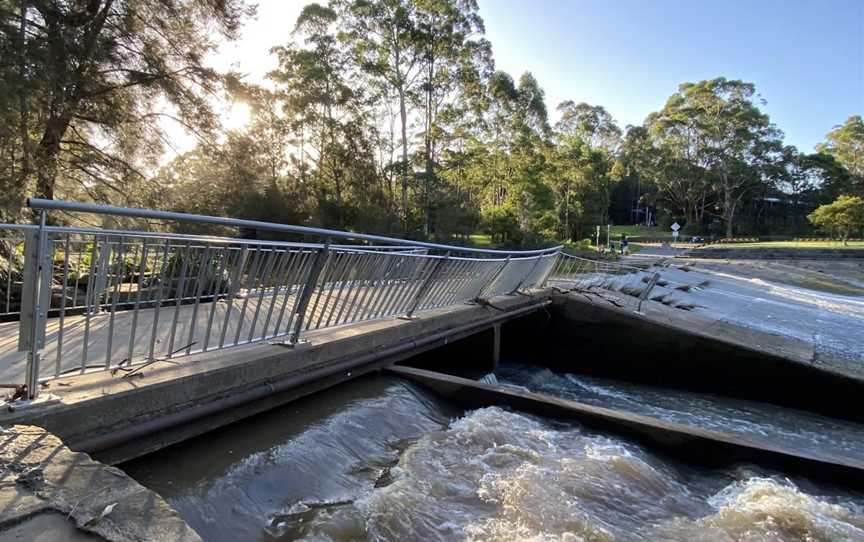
{"x":472,"y":356}
{"x":496,"y":346}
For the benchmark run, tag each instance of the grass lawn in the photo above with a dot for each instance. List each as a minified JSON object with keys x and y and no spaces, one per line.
{"x":481,"y":240}
{"x":793,"y":244}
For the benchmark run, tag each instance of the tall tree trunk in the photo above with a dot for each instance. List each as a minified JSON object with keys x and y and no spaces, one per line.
{"x":23,"y":105}
{"x":403,"y":117}
{"x":45,"y":157}
{"x":66,"y":90}
{"x":428,"y":149}
{"x":728,"y":206}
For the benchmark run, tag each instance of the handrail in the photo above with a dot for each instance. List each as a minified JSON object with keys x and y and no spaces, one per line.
{"x":203,"y":293}
{"x":71,"y":206}
{"x":65,"y":230}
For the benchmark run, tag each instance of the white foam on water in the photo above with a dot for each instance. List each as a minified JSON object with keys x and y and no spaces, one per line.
{"x":761,"y":509}
{"x":495,"y":475}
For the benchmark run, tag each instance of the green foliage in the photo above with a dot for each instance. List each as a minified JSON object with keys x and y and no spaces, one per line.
{"x":381,"y":116}
{"x":717,"y":147}
{"x":846,"y":144}
{"x":86,"y":83}
{"x":842,"y":217}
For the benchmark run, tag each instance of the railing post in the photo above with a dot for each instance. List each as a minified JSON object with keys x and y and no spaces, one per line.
{"x":644,"y":295}
{"x":424,"y":288}
{"x":35,"y":299}
{"x":308,"y":289}
{"x":528,"y":274}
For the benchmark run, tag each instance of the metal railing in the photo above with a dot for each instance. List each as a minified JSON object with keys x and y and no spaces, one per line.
{"x":99,"y":299}
{"x":582,"y":274}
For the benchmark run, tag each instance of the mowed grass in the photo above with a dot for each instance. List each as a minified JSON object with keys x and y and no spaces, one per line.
{"x":481,"y":240}
{"x":793,"y":244}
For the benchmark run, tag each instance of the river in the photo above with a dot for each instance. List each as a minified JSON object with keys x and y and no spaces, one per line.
{"x":380,"y":459}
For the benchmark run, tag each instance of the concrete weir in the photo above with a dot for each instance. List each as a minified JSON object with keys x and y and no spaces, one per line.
{"x":119,"y":418}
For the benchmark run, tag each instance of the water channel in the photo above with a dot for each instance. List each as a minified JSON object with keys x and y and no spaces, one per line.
{"x":381,"y":459}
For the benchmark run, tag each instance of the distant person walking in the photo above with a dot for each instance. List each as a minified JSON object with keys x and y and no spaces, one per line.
{"x":625,"y":245}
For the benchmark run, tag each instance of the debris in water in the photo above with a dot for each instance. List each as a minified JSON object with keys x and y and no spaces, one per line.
{"x":384,"y":479}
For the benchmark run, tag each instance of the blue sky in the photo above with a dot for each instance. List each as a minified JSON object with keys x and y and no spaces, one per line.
{"x":805,"y":57}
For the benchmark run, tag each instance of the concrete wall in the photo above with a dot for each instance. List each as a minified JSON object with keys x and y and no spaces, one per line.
{"x":686,"y":353}
{"x":471,"y":357}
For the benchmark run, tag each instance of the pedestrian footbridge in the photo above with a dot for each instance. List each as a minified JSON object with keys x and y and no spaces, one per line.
{"x":144,"y":321}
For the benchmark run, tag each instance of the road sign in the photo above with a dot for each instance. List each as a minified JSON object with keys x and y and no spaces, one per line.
{"x":675,"y":227}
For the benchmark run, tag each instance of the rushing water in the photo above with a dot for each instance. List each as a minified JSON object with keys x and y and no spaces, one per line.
{"x":796,"y":429}
{"x":378,"y":459}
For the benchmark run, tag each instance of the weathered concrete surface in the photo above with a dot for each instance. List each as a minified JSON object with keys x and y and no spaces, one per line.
{"x":122,"y":418}
{"x":691,"y":443}
{"x":689,"y":350}
{"x":47,"y":490}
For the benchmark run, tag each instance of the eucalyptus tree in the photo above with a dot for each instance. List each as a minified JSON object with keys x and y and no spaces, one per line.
{"x":591,"y":123}
{"x":99,"y":75}
{"x":516,"y":135}
{"x":383,"y":37}
{"x":846,"y":144}
{"x":588,"y":140}
{"x":717,"y":127}
{"x":318,"y":83}
{"x":682,"y":178}
{"x":835,"y":179}
{"x":455,"y":60}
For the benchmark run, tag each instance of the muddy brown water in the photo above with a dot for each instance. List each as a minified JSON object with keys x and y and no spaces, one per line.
{"x":380,"y":459}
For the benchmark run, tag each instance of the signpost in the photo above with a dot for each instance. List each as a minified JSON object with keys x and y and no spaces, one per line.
{"x":675,"y":227}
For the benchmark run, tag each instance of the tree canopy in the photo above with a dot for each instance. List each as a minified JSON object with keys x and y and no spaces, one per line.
{"x":843,"y":216}
{"x":381,"y":115}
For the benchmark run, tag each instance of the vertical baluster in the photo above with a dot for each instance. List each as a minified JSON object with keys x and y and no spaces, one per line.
{"x":203,"y":266}
{"x":160,"y":292}
{"x":142,"y":270}
{"x":185,"y":255}
{"x":62,"y":316}
{"x":88,"y":301}
{"x":251,"y":278}
{"x":119,"y":268}
{"x":272,"y":258}
{"x":214,"y":301}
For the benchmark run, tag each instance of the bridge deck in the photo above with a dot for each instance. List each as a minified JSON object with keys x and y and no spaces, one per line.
{"x":90,"y":411}
{"x":102,"y":340}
